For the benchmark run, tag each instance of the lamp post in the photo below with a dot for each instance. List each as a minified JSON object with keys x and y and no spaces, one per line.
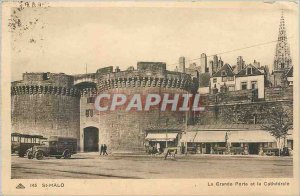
{"x":166,"y":138}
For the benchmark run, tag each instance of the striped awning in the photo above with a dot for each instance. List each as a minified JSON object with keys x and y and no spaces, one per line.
{"x":245,"y":136}
{"x":188,"y":136}
{"x":204,"y":136}
{"x":250,"y":136}
{"x":210,"y":136}
{"x":161,"y":136}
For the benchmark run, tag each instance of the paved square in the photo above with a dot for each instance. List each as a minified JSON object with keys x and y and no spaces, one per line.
{"x":92,"y":166}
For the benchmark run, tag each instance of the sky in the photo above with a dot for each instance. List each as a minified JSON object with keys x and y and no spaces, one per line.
{"x":69,"y":39}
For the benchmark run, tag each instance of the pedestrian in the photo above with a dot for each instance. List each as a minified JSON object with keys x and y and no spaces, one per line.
{"x":158,"y":147}
{"x":105,"y":149}
{"x":101,"y":149}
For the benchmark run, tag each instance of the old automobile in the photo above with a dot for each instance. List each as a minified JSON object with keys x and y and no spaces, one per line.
{"x":20,"y":143}
{"x":57,"y":147}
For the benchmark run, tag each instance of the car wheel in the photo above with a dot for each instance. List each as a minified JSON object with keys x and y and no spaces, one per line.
{"x":39,"y":155}
{"x":67,"y":154}
{"x":57,"y":157}
{"x":21,"y":154}
{"x":29,"y":154}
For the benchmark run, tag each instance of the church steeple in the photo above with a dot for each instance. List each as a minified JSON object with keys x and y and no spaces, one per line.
{"x":282,"y":60}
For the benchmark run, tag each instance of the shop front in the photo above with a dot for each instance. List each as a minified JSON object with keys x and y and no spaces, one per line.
{"x":158,"y":141}
{"x":231,"y":139}
{"x":204,"y":142}
{"x":252,"y":142}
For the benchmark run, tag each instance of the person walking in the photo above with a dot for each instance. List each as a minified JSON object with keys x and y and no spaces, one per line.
{"x":158,"y":147}
{"x":101,"y":149}
{"x":105,"y":149}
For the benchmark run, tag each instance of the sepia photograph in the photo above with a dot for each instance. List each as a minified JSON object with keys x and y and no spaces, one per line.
{"x":164,"y":90}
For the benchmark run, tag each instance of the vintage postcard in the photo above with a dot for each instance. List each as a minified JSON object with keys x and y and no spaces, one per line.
{"x":150,"y":98}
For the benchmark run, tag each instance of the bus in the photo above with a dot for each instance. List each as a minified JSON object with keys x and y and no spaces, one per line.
{"x":20,"y":143}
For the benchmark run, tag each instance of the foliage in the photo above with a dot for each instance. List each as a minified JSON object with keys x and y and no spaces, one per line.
{"x":278,"y":122}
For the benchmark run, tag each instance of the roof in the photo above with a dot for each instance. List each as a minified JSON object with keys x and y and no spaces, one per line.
{"x":246,"y":136}
{"x":250,"y":136}
{"x":204,"y":79}
{"x":165,"y":127}
{"x":225,"y":127}
{"x":161,"y":136}
{"x":204,"y":136}
{"x":227,"y":68}
{"x":27,"y":135}
{"x":243,"y":72}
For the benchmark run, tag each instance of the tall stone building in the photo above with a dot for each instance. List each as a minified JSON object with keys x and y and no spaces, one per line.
{"x":282,"y":59}
{"x":215,"y":63}
{"x":211,"y":68}
{"x":182,"y":64}
{"x":220,"y":63}
{"x":203,"y":63}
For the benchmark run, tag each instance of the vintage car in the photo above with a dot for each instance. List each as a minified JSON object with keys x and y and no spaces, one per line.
{"x":55,"y":147}
{"x":20,"y":143}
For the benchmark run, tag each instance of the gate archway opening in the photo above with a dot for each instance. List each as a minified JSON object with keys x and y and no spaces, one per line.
{"x":91,"y":139}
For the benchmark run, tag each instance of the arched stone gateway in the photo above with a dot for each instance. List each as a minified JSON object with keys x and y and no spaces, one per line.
{"x":91,"y":139}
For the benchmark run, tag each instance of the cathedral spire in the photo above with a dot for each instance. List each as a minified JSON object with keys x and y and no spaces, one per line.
{"x":282,"y":59}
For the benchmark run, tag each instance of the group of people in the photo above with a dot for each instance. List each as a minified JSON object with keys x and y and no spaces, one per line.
{"x":103,"y":149}
{"x":150,"y":149}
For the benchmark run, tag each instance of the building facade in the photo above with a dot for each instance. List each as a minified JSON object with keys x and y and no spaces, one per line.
{"x":248,"y":78}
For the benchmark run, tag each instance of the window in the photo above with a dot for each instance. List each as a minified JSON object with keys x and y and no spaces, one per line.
{"x":89,"y":113}
{"x":249,"y":70}
{"x":254,"y":85}
{"x":224,"y":79}
{"x":14,"y":139}
{"x":223,"y":73}
{"x":230,"y":88}
{"x":230,"y":78}
{"x":91,"y":100}
{"x":236,"y":145}
{"x":244,"y":85}
{"x":215,"y":80}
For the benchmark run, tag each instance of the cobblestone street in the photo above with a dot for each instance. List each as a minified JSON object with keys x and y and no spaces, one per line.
{"x":91,"y":166}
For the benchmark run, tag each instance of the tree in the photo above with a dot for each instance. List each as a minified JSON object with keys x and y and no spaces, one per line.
{"x":277,"y":123}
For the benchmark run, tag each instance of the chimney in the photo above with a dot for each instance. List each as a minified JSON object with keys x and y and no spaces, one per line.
{"x":182,"y":64}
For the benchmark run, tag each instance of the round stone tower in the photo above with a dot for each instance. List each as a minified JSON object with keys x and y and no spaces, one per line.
{"x":45,"y":104}
{"x":125,"y":131}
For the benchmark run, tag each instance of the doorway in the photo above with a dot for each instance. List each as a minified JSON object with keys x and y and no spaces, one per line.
{"x":91,"y":139}
{"x":208,"y":148}
{"x":253,"y":148}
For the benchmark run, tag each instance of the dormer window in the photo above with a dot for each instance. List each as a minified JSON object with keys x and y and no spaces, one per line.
{"x":249,"y":71}
{"x":223,"y":73}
